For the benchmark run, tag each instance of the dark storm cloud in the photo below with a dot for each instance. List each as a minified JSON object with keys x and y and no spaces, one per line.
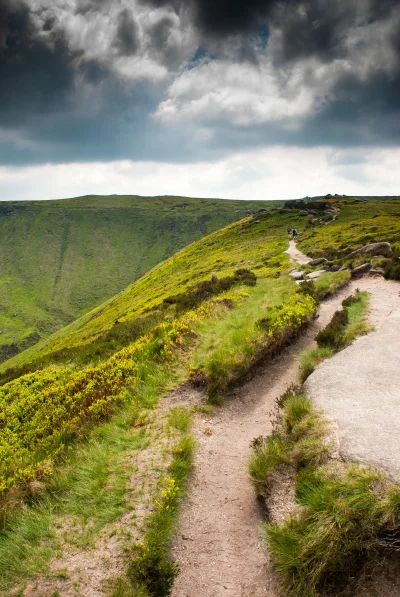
{"x":309,"y":27}
{"x":160,"y":31}
{"x":85,"y":6}
{"x":128,"y":35}
{"x":58,"y":103}
{"x":36,"y":76}
{"x":219,"y":17}
{"x":315,"y":30}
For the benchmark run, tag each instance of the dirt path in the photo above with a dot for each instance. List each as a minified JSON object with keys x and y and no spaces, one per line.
{"x":218,"y":544}
{"x":297,"y":255}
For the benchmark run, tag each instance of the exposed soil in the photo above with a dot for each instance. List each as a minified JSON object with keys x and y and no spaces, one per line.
{"x":89,"y":571}
{"x":218,"y":544}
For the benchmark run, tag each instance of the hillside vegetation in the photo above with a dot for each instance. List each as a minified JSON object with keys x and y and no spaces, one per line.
{"x":59,"y":259}
{"x":358,"y":224}
{"x":86,"y":442}
{"x":114,"y":365}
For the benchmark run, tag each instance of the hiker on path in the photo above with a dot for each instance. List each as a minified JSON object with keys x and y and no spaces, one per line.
{"x":294,"y":231}
{"x":289,"y":232}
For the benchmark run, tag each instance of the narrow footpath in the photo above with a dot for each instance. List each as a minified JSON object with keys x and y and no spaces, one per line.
{"x":218,"y":545}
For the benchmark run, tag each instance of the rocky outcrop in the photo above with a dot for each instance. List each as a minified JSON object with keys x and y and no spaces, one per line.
{"x":318,"y":261}
{"x":381,"y":248}
{"x":377,"y":271}
{"x":361,"y":270}
{"x":358,"y":388}
{"x":330,"y":267}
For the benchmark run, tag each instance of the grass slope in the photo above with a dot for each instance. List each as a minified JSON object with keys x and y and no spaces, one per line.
{"x":358,"y":224}
{"x":97,"y":382}
{"x":256,"y":243}
{"x":59,"y":259}
{"x":52,"y":419}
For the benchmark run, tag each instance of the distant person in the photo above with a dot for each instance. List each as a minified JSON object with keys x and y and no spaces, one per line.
{"x":294,"y":232}
{"x":289,"y":231}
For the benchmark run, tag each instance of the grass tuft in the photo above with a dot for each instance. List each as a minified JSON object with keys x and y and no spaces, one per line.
{"x":268,"y":454}
{"x":342,"y":516}
{"x":344,"y":327}
{"x":298,"y":439}
{"x":310,"y":358}
{"x":151,"y":571}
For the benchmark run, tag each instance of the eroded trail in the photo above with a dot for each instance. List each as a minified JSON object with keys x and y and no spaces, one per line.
{"x":218,"y":544}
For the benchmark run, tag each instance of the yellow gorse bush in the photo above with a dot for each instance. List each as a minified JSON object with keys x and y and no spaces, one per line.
{"x":41,"y":411}
{"x":291,"y":315}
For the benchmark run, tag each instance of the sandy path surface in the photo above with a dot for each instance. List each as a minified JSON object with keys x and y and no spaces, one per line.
{"x":297,"y":255}
{"x":218,"y":544}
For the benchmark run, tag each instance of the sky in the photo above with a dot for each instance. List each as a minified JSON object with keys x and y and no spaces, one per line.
{"x":248,"y":99}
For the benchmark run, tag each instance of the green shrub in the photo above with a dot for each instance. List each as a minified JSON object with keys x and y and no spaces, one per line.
{"x":152,"y":572}
{"x":356,"y":309}
{"x":308,"y":288}
{"x":206,"y":289}
{"x":310,"y":358}
{"x":268,"y":453}
{"x":329,"y":282}
{"x":392,"y":271}
{"x":297,"y":440}
{"x":332,"y":335}
{"x":295,"y":410}
{"x":342,"y":329}
{"x":342,"y":516}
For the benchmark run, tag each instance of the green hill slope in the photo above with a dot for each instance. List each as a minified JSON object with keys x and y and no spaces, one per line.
{"x":78,"y":406}
{"x":59,"y":259}
{"x":240,"y":245}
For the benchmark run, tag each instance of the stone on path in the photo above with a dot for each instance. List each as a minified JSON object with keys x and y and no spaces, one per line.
{"x":297,"y":275}
{"x":314,"y":275}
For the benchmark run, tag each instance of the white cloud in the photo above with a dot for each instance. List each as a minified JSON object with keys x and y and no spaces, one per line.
{"x":94,"y":32}
{"x":273,"y":173}
{"x":242,"y":93}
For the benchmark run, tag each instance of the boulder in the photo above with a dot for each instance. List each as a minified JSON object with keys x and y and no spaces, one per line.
{"x":361,"y":270}
{"x":297,"y":275}
{"x":317,"y":261}
{"x":303,"y":213}
{"x":314,"y":221}
{"x":314,"y":275}
{"x":377,"y":271}
{"x":330,"y":267}
{"x":381,"y":248}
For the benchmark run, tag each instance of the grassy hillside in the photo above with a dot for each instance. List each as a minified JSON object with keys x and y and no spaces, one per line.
{"x":83,"y":443}
{"x":245,"y":244}
{"x":59,"y":259}
{"x":73,"y":426}
{"x":358,"y":224}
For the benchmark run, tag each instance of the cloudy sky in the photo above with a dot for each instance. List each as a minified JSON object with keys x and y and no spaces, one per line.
{"x":253,"y":99}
